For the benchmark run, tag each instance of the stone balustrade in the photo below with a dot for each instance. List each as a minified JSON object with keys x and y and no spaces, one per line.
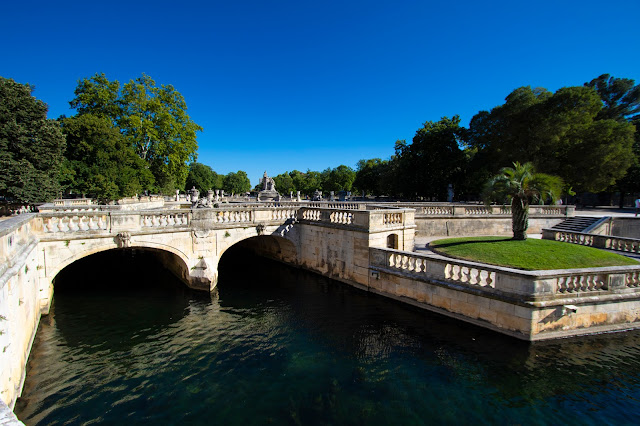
{"x":163,"y":220}
{"x":73,"y":202}
{"x":480,"y":210}
{"x":66,"y":222}
{"x":528,"y":285}
{"x":610,"y":242}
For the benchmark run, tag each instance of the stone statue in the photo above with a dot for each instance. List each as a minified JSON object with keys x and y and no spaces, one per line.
{"x":267,"y":183}
{"x":194,"y":196}
{"x":268,"y":192}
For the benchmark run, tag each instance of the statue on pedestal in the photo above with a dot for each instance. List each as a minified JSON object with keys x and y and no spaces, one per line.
{"x":268,"y":192}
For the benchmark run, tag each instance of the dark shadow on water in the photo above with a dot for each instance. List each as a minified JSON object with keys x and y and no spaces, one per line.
{"x":352,"y":322}
{"x":95,"y":297}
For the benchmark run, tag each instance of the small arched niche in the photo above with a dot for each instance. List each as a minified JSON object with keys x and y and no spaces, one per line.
{"x":392,"y":241}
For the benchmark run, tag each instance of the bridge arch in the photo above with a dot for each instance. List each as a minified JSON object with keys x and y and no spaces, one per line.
{"x":173,"y":259}
{"x":272,"y":246}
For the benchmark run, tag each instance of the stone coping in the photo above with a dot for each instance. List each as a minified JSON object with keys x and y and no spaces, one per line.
{"x":9,"y":225}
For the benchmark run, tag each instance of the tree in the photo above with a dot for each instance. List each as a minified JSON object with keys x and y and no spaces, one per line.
{"x":338,"y":179}
{"x":559,"y":133}
{"x":433,"y":160}
{"x":99,"y":160}
{"x":621,"y":102}
{"x":203,"y":178}
{"x":307,"y":183}
{"x":284,"y":183}
{"x":236,"y":183}
{"x":370,"y":175}
{"x":31,"y":146}
{"x":522,"y":186}
{"x":153,"y":119}
{"x":620,"y":97}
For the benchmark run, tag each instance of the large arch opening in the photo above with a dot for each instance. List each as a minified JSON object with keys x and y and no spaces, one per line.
{"x":125,"y":268}
{"x":120,"y":298}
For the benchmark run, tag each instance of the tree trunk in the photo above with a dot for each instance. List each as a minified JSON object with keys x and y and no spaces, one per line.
{"x":519,"y":218}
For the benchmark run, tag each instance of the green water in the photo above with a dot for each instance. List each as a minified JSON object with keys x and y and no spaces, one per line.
{"x":129,"y":344}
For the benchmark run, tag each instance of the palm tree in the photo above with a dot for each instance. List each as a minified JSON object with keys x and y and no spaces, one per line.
{"x":522,"y":186}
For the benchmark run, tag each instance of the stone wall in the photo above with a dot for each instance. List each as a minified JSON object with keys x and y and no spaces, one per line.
{"x":530,"y":305}
{"x":477,"y":226}
{"x":21,"y":301}
{"x":627,"y":227}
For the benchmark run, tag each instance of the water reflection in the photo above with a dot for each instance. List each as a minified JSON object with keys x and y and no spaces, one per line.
{"x":279,"y":345}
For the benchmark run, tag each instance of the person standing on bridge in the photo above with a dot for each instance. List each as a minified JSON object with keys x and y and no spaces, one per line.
{"x":637,"y":205}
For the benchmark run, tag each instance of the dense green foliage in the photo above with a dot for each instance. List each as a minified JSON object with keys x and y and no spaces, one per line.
{"x":203,"y":178}
{"x":336,"y":179}
{"x":585,"y":134}
{"x":100,"y":161}
{"x":531,"y":254}
{"x":433,"y":160}
{"x":153,"y":120}
{"x":236,"y":183}
{"x":31,"y":146}
{"x":522,"y":186}
{"x":559,"y":133}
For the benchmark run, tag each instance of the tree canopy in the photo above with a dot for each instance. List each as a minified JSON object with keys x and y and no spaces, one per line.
{"x":203,"y":178}
{"x":236,"y":183}
{"x":31,"y":146}
{"x":153,"y":120}
{"x":560,"y":133}
{"x":433,"y":160}
{"x":99,"y":160}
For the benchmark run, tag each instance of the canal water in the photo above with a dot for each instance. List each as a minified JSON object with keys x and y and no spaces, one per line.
{"x":277,"y":345}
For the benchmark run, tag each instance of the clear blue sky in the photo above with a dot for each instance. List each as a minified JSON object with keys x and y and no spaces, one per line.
{"x":283,"y":85}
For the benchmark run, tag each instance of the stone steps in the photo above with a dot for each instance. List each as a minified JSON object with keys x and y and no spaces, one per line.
{"x":576,"y":224}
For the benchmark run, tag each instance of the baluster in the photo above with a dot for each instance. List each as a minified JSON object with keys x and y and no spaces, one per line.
{"x":405,"y":262}
{"x":83,"y":223}
{"x":73,"y":225}
{"x":491,"y":278}
{"x":64,"y":227}
{"x":53,"y":225}
{"x":448,"y":271}
{"x":561,"y":286}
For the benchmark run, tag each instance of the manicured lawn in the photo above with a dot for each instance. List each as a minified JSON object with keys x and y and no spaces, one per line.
{"x":531,"y":254}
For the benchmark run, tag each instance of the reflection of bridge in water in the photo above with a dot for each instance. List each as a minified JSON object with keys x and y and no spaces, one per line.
{"x":369,"y":246}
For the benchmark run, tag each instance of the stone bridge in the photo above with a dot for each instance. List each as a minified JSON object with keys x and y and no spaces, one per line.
{"x":365,"y":245}
{"x":34,"y":248}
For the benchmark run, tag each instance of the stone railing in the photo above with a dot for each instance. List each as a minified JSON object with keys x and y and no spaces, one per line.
{"x":161,"y":220}
{"x":343,"y":205}
{"x":65,"y":222}
{"x":526,"y":285}
{"x":56,"y":224}
{"x":73,"y":202}
{"x":326,"y":215}
{"x":372,"y":220}
{"x":610,"y":242}
{"x":480,"y":210}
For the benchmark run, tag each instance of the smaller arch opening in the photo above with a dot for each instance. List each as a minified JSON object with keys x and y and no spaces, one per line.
{"x":392,"y":241}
